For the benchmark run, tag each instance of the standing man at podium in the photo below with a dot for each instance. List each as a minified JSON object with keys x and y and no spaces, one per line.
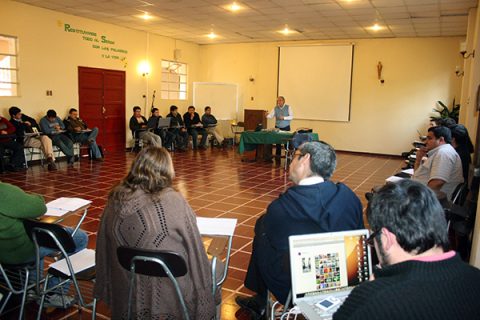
{"x":283,"y":115}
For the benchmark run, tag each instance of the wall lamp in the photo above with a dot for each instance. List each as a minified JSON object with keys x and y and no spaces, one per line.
{"x":144,"y":68}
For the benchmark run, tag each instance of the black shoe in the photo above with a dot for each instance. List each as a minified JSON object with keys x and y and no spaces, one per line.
{"x":252,"y":304}
{"x":70,"y":161}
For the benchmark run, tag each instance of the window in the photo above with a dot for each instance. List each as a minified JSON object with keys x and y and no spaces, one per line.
{"x":174,"y":80}
{"x":8,"y":66}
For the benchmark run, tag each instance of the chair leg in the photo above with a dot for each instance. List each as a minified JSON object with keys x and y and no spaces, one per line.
{"x":24,"y":295}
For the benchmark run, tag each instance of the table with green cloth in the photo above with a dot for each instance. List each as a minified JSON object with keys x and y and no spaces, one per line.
{"x":250,"y":139}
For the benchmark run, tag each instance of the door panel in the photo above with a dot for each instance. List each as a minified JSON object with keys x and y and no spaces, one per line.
{"x":102,"y":105}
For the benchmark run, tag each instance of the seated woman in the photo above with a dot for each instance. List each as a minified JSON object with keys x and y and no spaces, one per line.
{"x":144,"y":211}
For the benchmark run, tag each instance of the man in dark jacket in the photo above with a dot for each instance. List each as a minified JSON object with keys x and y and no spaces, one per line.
{"x":28,"y":132}
{"x":313,"y":205}
{"x":177,"y":127}
{"x":195,"y":127}
{"x":80,"y":133}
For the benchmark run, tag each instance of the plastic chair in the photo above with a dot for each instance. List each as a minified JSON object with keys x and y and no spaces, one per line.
{"x":15,"y":280}
{"x":237,"y":129}
{"x":55,"y":237}
{"x":153,"y":263}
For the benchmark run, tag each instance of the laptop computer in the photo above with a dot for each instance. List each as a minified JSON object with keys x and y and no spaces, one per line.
{"x":164,"y":123}
{"x":325,"y":267}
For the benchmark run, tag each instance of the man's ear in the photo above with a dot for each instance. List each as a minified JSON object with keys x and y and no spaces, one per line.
{"x":389,"y":239}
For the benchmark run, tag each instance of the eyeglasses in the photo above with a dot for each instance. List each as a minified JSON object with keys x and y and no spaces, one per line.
{"x":372,"y":236}
{"x":299,"y":154}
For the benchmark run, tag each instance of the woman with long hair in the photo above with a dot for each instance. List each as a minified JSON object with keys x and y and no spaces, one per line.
{"x":144,"y":211}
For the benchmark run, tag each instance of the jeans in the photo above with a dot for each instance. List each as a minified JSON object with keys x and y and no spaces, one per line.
{"x":80,"y":239}
{"x":90,"y":137}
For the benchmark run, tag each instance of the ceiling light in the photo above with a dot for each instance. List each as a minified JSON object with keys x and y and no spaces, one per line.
{"x":286,"y":31}
{"x":146,"y":16}
{"x":376,"y":27}
{"x":212,"y":35}
{"x":234,"y":7}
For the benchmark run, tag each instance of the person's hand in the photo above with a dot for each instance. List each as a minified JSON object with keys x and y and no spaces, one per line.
{"x":143,"y":126}
{"x":421,"y":152}
{"x":57,"y":128}
{"x":77,"y":129}
{"x":183,"y":129}
{"x":281,"y":117}
{"x":3,"y":132}
{"x":28,"y":123}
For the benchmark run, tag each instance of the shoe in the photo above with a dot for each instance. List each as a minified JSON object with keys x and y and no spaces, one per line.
{"x":99,"y":159}
{"x":51,"y":166}
{"x":252,"y":304}
{"x":204,"y":147}
{"x":70,"y":161}
{"x":56,"y":300}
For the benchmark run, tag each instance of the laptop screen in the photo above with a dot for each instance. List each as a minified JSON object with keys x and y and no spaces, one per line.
{"x":328,"y":261}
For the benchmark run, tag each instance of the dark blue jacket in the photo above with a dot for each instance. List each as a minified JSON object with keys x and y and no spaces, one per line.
{"x":322,"y":207}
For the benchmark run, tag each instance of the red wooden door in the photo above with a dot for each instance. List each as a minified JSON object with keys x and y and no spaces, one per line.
{"x":102,"y":104}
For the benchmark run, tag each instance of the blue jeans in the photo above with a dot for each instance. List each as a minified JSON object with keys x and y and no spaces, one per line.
{"x":80,"y":239}
{"x":85,"y":137}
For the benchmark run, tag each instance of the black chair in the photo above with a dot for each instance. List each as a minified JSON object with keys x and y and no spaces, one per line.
{"x":55,"y":237}
{"x":153,"y":263}
{"x":237,"y":129}
{"x":15,"y":280}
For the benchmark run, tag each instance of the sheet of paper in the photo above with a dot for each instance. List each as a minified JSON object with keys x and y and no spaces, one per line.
{"x":216,"y":226}
{"x":408,"y":171}
{"x":68,"y":204}
{"x":80,"y":261}
{"x":393,"y":179}
{"x":55,"y":212}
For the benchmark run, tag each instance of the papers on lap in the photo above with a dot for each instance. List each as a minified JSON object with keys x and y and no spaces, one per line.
{"x":81,"y":260}
{"x":61,"y":206}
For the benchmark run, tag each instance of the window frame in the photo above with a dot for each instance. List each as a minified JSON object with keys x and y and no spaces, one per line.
{"x":14,"y":85}
{"x":173,"y":89}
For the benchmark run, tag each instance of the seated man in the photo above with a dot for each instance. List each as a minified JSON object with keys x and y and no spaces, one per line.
{"x":195,"y":127}
{"x":418,"y":277}
{"x":15,"y":245}
{"x":463,"y":145}
{"x":7,"y":141}
{"x":81,"y":134}
{"x":313,"y":205}
{"x":177,"y":127}
{"x":166,"y":136}
{"x":25,"y":124}
{"x":442,"y":171}
{"x":54,"y":127}
{"x":210,"y":124}
{"x":138,"y":125}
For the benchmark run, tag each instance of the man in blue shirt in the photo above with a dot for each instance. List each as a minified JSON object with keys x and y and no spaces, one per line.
{"x":54,"y":127}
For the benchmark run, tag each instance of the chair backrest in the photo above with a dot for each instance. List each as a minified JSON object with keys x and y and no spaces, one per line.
{"x":172,"y":260}
{"x":459,"y":194}
{"x":44,"y":231}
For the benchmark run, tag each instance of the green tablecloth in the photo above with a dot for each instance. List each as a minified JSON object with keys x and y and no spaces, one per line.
{"x":249,"y":139}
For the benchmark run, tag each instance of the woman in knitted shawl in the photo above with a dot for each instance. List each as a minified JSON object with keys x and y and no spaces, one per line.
{"x":144,"y":211}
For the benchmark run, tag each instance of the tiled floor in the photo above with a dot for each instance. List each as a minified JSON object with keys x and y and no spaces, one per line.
{"x":216,"y":184}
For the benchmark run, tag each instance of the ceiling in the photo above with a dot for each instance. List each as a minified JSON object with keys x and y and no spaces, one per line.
{"x":260,"y":20}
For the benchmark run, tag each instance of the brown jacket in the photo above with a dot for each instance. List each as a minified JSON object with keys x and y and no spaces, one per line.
{"x":162,"y":221}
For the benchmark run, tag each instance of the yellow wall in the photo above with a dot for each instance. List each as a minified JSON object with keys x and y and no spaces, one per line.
{"x":49,"y":57}
{"x":384,"y":118}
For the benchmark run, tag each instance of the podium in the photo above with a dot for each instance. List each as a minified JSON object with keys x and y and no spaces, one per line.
{"x":251,"y":119}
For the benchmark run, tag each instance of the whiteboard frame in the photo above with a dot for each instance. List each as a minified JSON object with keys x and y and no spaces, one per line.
{"x":195,"y":84}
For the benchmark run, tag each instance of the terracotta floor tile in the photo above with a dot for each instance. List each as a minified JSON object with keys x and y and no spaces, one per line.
{"x":233,"y":189}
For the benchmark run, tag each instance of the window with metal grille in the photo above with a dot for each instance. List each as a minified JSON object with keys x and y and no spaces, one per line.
{"x":8,"y":66}
{"x":174,"y":80}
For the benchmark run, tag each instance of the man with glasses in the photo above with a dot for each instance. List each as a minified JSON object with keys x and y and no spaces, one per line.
{"x":313,"y":204}
{"x":442,"y":170}
{"x":418,"y":277}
